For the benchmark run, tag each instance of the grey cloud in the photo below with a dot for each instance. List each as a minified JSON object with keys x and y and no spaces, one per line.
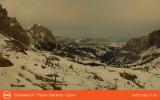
{"x":114,"y":19}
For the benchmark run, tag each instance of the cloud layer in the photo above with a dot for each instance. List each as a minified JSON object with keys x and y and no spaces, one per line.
{"x":114,"y":19}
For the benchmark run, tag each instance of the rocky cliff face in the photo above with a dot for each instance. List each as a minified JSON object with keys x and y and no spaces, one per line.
{"x":37,"y":36}
{"x":154,"y":39}
{"x":9,"y":26}
{"x":42,"y":38}
{"x":137,"y":44}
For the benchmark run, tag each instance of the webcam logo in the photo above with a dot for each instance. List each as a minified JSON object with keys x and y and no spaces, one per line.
{"x":6,"y":95}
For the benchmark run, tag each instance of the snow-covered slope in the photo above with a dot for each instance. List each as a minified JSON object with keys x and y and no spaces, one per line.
{"x":36,"y":70}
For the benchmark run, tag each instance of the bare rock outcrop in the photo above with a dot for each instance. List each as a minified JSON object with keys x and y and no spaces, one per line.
{"x":5,"y":62}
{"x":9,"y":26}
{"x":154,"y":39}
{"x":37,"y":36}
{"x":42,"y":38}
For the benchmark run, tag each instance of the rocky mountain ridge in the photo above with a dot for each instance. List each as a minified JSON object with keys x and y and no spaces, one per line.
{"x":37,"y":36}
{"x":136,"y":49}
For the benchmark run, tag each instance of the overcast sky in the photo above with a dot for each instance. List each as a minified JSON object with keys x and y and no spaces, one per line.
{"x":110,"y":19}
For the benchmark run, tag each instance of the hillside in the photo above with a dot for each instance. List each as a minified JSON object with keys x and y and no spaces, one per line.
{"x":34,"y":59}
{"x":37,"y":70}
{"x":137,"y":51}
